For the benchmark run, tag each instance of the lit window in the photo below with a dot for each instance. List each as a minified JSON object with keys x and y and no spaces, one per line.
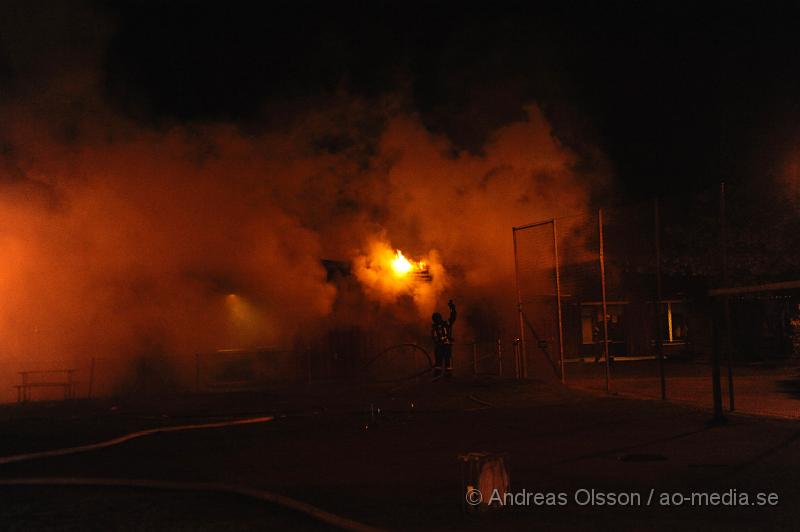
{"x":674,"y":322}
{"x":592,"y":323}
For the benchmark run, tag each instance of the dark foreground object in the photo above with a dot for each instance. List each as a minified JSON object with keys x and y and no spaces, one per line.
{"x":47,"y":508}
{"x":388,"y":458}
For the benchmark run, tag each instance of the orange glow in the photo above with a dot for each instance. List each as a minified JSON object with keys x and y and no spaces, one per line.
{"x":401,"y":266}
{"x":386,"y":274}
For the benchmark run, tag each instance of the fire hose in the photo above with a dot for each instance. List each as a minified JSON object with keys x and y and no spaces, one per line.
{"x":262,"y":495}
{"x":398,"y":346}
{"x":127,"y":437}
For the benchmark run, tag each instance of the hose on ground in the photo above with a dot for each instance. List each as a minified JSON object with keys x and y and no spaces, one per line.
{"x":261,"y":495}
{"x":287,"y":502}
{"x":127,"y":437}
{"x":399,"y":346}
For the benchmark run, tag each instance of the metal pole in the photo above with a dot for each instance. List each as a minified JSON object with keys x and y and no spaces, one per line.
{"x":725,"y":300}
{"x":197,"y":372}
{"x":499,"y":358}
{"x":91,"y":378}
{"x":716,"y":386}
{"x":522,"y":370}
{"x":558,"y":304}
{"x":605,"y":309}
{"x":515,"y":346}
{"x":659,"y":297}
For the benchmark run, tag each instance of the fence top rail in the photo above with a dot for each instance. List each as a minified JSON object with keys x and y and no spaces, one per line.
{"x":225,"y":352}
{"x":534,"y":224}
{"x":46,"y":371}
{"x":767,"y":287}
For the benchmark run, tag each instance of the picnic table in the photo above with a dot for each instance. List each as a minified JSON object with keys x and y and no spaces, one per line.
{"x":54,"y":378}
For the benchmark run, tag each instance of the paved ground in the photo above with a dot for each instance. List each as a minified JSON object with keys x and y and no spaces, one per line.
{"x":399,"y":470}
{"x":758,"y":389}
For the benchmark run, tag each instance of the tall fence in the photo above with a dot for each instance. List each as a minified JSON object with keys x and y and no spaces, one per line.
{"x":630,"y":295}
{"x":537,"y":302}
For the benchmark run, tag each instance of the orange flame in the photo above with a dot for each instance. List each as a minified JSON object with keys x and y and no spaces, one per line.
{"x":401,"y":266}
{"x":386,"y":274}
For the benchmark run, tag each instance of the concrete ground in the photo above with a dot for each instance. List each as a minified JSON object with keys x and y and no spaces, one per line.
{"x":388,"y":458}
{"x":767,"y":390}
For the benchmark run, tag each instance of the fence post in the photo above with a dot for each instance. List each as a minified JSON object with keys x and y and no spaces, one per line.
{"x":605,"y":308}
{"x":197,"y":372}
{"x":558,"y":304}
{"x":725,"y":300}
{"x":659,"y":297}
{"x":716,"y":342}
{"x":91,"y":378}
{"x":499,"y":358}
{"x":522,"y":370}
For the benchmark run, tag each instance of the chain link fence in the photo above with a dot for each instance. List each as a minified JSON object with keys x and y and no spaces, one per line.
{"x":537,"y":301}
{"x":644,"y":298}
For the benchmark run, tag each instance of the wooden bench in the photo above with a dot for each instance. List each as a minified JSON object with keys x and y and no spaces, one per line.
{"x":54,"y":378}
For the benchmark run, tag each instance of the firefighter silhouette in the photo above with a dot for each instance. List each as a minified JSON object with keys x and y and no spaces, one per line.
{"x":442,"y":335}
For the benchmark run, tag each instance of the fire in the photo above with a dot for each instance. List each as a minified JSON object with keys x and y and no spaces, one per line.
{"x":387,"y":275}
{"x":401,"y":266}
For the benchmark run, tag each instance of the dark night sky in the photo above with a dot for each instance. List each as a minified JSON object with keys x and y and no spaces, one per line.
{"x":676,"y":96}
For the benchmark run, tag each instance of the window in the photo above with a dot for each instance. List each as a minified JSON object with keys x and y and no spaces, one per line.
{"x":588,"y":332}
{"x":675,"y":327}
{"x":592,"y":323}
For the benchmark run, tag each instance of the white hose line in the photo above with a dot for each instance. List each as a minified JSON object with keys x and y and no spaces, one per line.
{"x":287,"y":502}
{"x":133,"y":435}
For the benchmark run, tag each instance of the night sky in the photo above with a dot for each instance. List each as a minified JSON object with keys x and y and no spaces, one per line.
{"x":675,"y":96}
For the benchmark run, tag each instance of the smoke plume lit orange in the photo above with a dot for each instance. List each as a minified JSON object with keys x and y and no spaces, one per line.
{"x":387,"y":275}
{"x":119,"y":239}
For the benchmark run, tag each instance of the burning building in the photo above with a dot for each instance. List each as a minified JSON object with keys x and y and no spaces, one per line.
{"x":123,"y":238}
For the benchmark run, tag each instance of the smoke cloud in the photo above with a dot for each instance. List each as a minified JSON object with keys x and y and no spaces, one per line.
{"x":117,"y":238}
{"x":377,"y":273}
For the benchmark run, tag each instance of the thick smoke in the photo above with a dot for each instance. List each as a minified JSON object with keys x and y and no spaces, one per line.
{"x":381,"y":282}
{"x":144,"y":239}
{"x":118,"y":239}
